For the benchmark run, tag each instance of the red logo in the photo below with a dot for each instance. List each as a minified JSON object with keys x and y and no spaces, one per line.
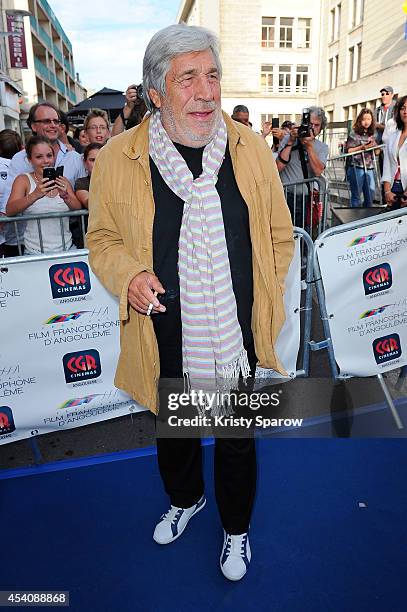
{"x":387,"y":348}
{"x":377,"y":278}
{"x":82,"y":363}
{"x":69,"y":276}
{"x":69,"y":279}
{"x":377,"y":275}
{"x":4,"y":422}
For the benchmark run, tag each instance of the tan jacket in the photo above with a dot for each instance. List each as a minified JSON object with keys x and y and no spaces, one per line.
{"x":120,"y":241}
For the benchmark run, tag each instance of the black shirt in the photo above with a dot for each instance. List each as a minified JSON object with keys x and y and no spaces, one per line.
{"x":166,"y":230}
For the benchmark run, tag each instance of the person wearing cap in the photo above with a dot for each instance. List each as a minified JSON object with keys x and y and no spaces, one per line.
{"x":385,"y":111}
{"x":241,"y":114}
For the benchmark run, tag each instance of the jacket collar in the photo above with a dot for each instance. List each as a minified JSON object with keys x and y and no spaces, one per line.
{"x":137,"y":146}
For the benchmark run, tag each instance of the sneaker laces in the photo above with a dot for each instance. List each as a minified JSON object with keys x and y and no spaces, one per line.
{"x":172,"y":515}
{"x":235,"y":545}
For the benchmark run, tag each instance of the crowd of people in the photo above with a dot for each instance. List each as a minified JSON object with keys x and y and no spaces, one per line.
{"x":24,"y":190}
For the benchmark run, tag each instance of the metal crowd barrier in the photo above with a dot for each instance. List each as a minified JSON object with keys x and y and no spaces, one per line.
{"x":339,"y":192}
{"x":327,"y":343}
{"x":77,"y":226}
{"x":306,"y":213}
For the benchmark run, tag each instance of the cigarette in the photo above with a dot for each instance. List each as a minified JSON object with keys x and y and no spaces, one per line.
{"x":151,"y":305}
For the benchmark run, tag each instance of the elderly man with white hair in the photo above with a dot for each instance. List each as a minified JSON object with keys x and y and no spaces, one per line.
{"x":190,"y":228}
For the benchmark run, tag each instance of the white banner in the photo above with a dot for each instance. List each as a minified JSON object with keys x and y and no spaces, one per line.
{"x":364,"y":276}
{"x":59,"y":334}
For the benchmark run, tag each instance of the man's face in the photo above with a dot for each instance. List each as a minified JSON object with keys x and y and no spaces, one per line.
{"x":242,"y":117}
{"x":386,"y":97}
{"x":190,"y":110}
{"x":46,"y":123}
{"x":316,"y":124}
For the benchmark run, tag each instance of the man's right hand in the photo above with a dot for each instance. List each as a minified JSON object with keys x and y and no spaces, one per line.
{"x":141,"y":293}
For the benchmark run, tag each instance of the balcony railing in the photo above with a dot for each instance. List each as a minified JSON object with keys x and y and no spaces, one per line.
{"x":57,"y":53}
{"x":43,"y":71}
{"x":45,"y":37}
{"x":48,"y":10}
{"x":61,"y":86}
{"x":71,"y":94}
{"x":68,"y":66}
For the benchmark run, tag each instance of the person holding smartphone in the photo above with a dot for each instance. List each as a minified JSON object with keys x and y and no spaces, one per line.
{"x":43,"y":191}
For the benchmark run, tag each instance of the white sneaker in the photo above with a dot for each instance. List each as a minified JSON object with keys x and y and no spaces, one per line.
{"x":236,"y":555}
{"x":172,"y":523}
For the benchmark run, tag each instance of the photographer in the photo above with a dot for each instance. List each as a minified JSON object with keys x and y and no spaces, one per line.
{"x":133,"y":111}
{"x":302,"y":156}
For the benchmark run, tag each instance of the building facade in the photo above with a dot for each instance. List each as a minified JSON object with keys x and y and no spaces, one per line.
{"x":278,"y":58}
{"x":50,"y":73}
{"x":363,"y":48}
{"x":269,"y":53}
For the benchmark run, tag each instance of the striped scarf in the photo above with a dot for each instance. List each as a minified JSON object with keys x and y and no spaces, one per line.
{"x":212,"y":343}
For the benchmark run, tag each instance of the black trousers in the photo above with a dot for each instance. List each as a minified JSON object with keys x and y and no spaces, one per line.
{"x":235,"y":467}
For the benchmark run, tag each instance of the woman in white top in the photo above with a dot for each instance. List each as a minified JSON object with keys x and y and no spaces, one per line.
{"x":394,"y":177}
{"x":32,"y":194}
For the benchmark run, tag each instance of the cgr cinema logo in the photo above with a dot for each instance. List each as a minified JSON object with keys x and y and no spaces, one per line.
{"x":6,"y":421}
{"x":387,"y":348}
{"x":69,"y":279}
{"x":378,"y":278}
{"x":82,"y":365}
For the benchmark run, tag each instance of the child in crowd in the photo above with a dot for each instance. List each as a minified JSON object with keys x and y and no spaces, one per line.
{"x":82,"y":184}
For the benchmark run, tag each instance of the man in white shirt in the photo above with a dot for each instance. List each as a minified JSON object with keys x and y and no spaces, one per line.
{"x":44,"y":120}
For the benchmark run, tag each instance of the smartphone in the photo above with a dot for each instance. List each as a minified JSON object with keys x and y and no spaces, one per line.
{"x":275,"y":123}
{"x":52,"y":173}
{"x":49,"y":173}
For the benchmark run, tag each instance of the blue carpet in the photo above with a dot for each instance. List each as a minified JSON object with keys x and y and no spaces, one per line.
{"x":89,"y":531}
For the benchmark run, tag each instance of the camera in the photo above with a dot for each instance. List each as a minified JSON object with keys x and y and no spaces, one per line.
{"x":305,"y":128}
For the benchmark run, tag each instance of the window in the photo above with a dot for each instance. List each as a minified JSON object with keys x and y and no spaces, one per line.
{"x":332,"y":25}
{"x":330,"y":73}
{"x":359,"y":59}
{"x":301,"y":79}
{"x":338,"y":21}
{"x":266,"y":78}
{"x":333,"y":72}
{"x":283,"y":118}
{"x":267,"y":31}
{"x":304,"y":34}
{"x":284,"y":79}
{"x":286,"y":32}
{"x":266,"y":117}
{"x":351,"y":61}
{"x":354,"y":10}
